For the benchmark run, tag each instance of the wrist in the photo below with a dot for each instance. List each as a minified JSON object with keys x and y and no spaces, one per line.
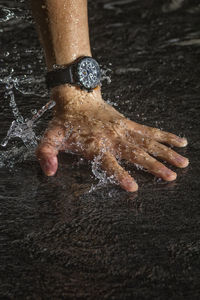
{"x":68,"y":58}
{"x":84,"y":72}
{"x":71,"y":99}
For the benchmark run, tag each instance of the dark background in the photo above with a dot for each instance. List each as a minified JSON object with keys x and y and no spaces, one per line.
{"x":60,"y":241}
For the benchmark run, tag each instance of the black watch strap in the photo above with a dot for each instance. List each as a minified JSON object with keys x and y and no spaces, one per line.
{"x":59,"y":77}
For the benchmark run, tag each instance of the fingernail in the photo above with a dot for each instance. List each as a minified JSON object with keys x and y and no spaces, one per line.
{"x":183,"y":162}
{"x":129,"y":185}
{"x":132,"y":187}
{"x":170,"y":175}
{"x":182,"y":141}
{"x":49,"y":166}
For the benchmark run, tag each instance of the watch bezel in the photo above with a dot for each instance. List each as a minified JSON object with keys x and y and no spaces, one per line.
{"x":77,"y":75}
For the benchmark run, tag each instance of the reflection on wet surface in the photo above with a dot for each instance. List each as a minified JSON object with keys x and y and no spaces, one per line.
{"x":69,"y":236}
{"x":172,"y":5}
{"x":115,"y":5}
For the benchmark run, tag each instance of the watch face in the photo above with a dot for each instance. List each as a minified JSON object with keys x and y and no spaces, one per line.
{"x":89,"y":73}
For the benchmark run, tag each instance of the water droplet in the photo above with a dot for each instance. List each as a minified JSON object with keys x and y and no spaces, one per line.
{"x":6,"y":54}
{"x":33,"y":111}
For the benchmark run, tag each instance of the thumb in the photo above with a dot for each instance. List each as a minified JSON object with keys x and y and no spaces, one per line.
{"x":47,"y":150}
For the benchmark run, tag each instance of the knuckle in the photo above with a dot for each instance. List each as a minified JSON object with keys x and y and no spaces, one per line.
{"x":149,"y":143}
{"x":39,"y":152}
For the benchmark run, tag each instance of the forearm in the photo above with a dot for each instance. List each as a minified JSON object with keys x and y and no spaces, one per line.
{"x":63,"y":29}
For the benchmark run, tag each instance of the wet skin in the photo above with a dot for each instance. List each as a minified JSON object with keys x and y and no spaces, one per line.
{"x":84,"y":123}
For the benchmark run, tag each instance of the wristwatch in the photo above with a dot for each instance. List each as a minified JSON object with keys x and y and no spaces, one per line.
{"x":84,"y":72}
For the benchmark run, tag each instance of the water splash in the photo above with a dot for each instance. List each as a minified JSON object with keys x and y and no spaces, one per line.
{"x":14,"y":15}
{"x":9,"y":85}
{"x":23,"y":129}
{"x":105,"y":74}
{"x":6,"y":14}
{"x":20,"y":127}
{"x":100,"y":174}
{"x":30,"y":85}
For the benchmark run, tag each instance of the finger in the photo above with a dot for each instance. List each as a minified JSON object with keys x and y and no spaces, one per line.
{"x":111,"y":166}
{"x":140,"y":157}
{"x":169,"y":138}
{"x":48,"y":149}
{"x":158,"y":135}
{"x":165,"y":153}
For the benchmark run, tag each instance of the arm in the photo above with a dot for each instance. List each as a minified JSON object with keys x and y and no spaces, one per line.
{"x":82,"y":121}
{"x":63,"y":29}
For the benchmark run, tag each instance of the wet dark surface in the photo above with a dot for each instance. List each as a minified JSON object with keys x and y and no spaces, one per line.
{"x":58,"y":241}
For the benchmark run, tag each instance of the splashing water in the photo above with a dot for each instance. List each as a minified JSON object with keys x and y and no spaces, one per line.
{"x":23,"y":129}
{"x":104,"y":74}
{"x":20,"y":128}
{"x":6,"y":14}
{"x":100,"y":174}
{"x":30,"y":85}
{"x":14,"y":15}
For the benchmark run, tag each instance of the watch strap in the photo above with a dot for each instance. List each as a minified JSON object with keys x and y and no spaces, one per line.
{"x":59,"y":76}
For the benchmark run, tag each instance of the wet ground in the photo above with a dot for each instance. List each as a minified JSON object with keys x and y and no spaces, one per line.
{"x":62,"y":239}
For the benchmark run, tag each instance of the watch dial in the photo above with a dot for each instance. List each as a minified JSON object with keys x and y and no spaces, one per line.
{"x":89,"y":73}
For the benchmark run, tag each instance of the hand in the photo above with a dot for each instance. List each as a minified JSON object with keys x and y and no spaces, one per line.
{"x":85,"y":124}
